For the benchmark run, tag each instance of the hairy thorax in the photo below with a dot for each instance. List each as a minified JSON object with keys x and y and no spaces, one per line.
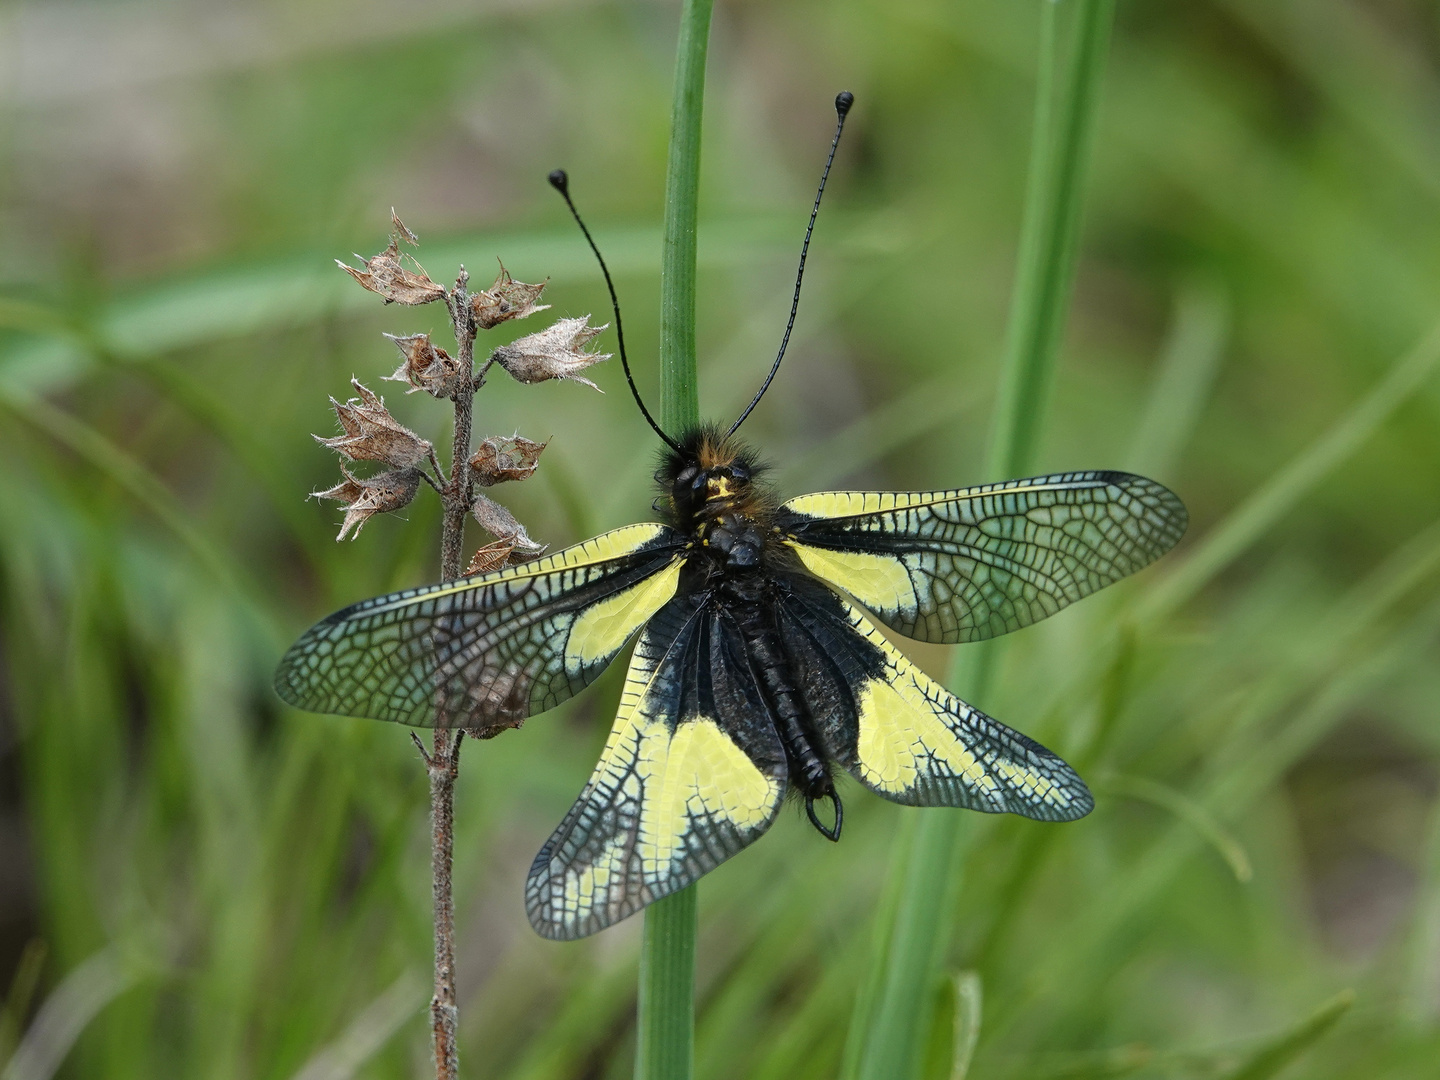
{"x":715,"y":497}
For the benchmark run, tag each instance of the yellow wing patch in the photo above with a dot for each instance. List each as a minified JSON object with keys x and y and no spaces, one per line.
{"x":696,"y":772}
{"x":973,"y":563}
{"x":603,"y":627}
{"x":880,"y":582}
{"x":673,"y":794}
{"x":919,"y":744}
{"x":487,"y":651}
{"x":901,"y":737}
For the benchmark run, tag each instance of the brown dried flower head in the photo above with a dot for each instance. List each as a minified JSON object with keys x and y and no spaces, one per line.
{"x":499,"y":459}
{"x":501,"y":524}
{"x":428,"y":367}
{"x":372,"y":434}
{"x":505,"y":300}
{"x":364,"y":498}
{"x":493,"y":556}
{"x":553,"y":353}
{"x":384,"y":274}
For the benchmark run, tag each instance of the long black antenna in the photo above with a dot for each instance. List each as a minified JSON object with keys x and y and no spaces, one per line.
{"x":843,"y":101}
{"x":561,"y":183}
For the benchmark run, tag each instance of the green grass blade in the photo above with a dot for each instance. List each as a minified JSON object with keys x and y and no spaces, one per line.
{"x":901,"y":1012}
{"x":299,"y":290}
{"x":1338,"y":671}
{"x":666,"y":1042}
{"x":1187,"y":810}
{"x":1188,"y":367}
{"x":918,"y":938}
{"x":1287,"y":487}
{"x":1049,"y":235}
{"x":376,"y":1024}
{"x":665,"y":1037}
{"x":968,"y":1001}
{"x":66,"y":1012}
{"x":1276,"y":1055}
{"x":145,"y":489}
{"x":1422,"y":998}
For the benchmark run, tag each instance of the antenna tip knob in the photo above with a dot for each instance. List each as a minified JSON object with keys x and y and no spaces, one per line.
{"x":559,"y":181}
{"x":843,"y":100}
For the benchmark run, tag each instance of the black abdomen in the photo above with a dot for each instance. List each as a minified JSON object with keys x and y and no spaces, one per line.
{"x":749,"y":604}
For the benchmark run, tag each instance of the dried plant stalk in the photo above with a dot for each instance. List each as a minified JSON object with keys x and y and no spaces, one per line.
{"x":370,"y":433}
{"x":443,"y":761}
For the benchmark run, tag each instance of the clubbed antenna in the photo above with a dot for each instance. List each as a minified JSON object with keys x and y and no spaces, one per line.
{"x":561,"y":183}
{"x":843,"y":101}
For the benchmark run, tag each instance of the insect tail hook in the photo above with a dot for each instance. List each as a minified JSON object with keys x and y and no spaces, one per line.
{"x":828,"y":833}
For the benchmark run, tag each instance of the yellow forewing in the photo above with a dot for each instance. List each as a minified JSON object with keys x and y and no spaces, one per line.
{"x":487,"y":651}
{"x":962,"y":565}
{"x":838,"y":504}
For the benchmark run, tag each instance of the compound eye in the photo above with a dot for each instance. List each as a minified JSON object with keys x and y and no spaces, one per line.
{"x":739,"y":471}
{"x":687,"y":474}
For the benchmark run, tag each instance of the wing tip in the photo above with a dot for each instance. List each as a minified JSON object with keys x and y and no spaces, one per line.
{"x":284,"y":681}
{"x":547,"y":918}
{"x":1082,"y":801}
{"x":1173,"y":515}
{"x":1062,"y":775}
{"x":551,"y":930}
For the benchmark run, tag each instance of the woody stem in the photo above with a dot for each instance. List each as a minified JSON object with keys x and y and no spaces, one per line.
{"x":444,"y":759}
{"x":459,"y":494}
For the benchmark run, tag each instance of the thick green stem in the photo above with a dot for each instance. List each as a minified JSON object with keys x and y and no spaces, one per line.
{"x":665,"y":1042}
{"x":679,"y":406}
{"x":665,"y":1035}
{"x":916,"y":938}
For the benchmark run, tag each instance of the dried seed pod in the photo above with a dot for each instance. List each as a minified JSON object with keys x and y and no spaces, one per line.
{"x":501,"y":524}
{"x":505,"y":300}
{"x":554,"y":353}
{"x":428,"y":367}
{"x":364,"y":498}
{"x":397,"y":228}
{"x":498,"y":459}
{"x":385,"y":276}
{"x":372,"y":434}
{"x":492,"y":556}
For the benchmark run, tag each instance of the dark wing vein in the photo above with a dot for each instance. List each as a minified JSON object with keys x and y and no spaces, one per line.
{"x":486,"y":652}
{"x":692,"y":773}
{"x":903,"y":735}
{"x":949,"y":566}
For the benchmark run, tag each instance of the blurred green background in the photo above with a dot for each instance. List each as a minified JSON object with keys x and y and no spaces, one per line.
{"x":196,"y":881}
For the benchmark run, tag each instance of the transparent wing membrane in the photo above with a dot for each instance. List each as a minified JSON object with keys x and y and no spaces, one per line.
{"x":903,"y":735}
{"x":489,"y":651}
{"x":950,"y":566}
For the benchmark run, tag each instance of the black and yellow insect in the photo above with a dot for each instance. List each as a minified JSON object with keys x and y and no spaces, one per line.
{"x":757,"y":670}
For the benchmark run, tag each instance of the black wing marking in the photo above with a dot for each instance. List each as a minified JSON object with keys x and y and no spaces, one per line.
{"x":903,"y":735}
{"x":488,"y":651}
{"x":693,"y":772}
{"x":948,"y":566}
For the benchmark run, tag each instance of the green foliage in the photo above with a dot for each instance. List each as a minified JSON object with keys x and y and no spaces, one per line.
{"x":221,"y":887}
{"x":889,"y":1041}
